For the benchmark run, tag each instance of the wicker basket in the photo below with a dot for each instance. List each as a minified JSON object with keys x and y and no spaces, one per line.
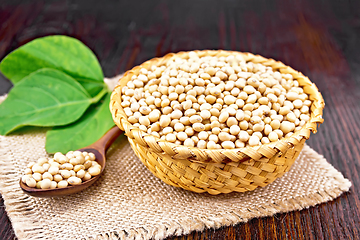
{"x":221,"y":170}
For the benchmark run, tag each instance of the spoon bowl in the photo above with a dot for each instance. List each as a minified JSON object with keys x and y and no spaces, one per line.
{"x":98,"y":148}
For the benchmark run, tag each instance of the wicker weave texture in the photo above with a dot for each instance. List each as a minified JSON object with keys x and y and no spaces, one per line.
{"x":220,"y":170}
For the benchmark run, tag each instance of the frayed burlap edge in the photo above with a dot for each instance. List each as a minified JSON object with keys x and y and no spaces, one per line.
{"x":20,"y":207}
{"x":233,"y":217}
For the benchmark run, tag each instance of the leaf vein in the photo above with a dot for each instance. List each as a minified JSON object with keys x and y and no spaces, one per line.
{"x":40,"y":110}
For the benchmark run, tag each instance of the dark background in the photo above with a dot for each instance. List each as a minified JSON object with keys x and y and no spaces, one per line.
{"x":319,"y":38}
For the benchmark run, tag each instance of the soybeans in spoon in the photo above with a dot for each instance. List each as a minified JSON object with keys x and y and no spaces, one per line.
{"x":73,"y":168}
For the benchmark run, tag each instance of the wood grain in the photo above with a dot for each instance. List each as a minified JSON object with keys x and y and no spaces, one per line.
{"x":319,"y":38}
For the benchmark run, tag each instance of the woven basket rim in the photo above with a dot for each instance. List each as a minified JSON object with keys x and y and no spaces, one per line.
{"x":250,"y":151}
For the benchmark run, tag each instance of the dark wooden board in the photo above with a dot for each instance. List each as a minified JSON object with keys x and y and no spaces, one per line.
{"x":319,"y":38}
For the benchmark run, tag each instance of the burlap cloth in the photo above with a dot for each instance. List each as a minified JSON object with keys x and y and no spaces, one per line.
{"x":128,"y":202}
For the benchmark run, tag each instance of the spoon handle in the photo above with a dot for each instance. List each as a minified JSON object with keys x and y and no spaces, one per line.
{"x":105,"y":141}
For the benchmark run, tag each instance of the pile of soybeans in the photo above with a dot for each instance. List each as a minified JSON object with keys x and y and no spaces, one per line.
{"x":71,"y":169}
{"x":215,"y":102}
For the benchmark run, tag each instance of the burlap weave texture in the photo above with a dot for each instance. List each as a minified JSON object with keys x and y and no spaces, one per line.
{"x":128,"y":202}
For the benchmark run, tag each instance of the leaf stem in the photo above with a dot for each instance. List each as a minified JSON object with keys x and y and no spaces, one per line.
{"x":99,"y":95}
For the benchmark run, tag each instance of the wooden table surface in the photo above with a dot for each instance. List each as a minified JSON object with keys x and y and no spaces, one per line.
{"x":319,"y":38}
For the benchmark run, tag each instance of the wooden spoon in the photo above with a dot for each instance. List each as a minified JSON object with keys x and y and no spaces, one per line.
{"x":98,"y":148}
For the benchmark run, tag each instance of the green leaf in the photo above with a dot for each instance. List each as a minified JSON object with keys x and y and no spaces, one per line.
{"x":46,"y":97}
{"x":94,"y":124}
{"x":63,"y":53}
